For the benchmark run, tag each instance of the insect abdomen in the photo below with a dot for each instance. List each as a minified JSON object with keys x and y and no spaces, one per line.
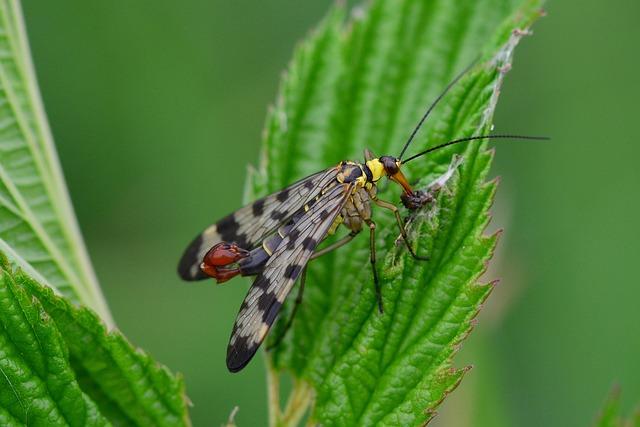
{"x":250,"y":263}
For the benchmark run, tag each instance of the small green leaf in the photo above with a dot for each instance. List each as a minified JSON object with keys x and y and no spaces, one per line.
{"x":38,"y":229}
{"x":38,"y":384}
{"x":364,"y":83}
{"x":60,"y":366}
{"x":610,"y":414}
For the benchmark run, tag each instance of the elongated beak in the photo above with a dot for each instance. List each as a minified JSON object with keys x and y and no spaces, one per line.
{"x":402,"y":180}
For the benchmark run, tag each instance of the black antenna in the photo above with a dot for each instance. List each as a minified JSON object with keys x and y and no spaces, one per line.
{"x":473,"y":138}
{"x":433,"y":105}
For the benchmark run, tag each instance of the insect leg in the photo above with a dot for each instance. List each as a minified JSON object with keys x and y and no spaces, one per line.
{"x":372,"y":258}
{"x":403,"y":231}
{"x":346,"y":239}
{"x":343,"y":241}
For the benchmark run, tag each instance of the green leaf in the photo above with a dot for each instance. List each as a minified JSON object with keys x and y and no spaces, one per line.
{"x":610,"y":414}
{"x":38,"y":229}
{"x":60,"y":366}
{"x":59,"y":363}
{"x":363,"y":82}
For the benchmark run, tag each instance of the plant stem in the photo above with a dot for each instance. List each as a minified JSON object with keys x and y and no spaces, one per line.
{"x":299,"y":400}
{"x":273,"y":392}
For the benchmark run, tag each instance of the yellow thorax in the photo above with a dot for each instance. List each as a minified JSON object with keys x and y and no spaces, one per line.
{"x":376,"y":168}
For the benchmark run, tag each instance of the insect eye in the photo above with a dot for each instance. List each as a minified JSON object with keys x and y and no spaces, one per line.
{"x":390,"y":165}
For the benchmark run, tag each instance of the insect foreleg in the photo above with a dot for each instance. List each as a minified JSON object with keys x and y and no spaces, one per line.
{"x":400,"y":222}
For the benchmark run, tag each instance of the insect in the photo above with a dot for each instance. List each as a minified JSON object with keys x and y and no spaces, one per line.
{"x":276,"y":236}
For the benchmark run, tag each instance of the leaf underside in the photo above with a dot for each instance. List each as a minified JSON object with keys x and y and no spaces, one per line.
{"x":363,"y":82}
{"x":38,"y":230}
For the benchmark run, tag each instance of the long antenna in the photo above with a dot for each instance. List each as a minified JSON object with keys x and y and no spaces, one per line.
{"x":433,"y":105}
{"x":473,"y":138}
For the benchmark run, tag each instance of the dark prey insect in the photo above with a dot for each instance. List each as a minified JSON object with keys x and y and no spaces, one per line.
{"x":276,"y":236}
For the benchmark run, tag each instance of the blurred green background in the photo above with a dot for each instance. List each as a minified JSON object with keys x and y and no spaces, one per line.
{"x":157,"y":108}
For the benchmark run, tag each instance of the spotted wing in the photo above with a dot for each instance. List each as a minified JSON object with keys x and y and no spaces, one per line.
{"x":268,"y":292}
{"x":249,"y":225}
